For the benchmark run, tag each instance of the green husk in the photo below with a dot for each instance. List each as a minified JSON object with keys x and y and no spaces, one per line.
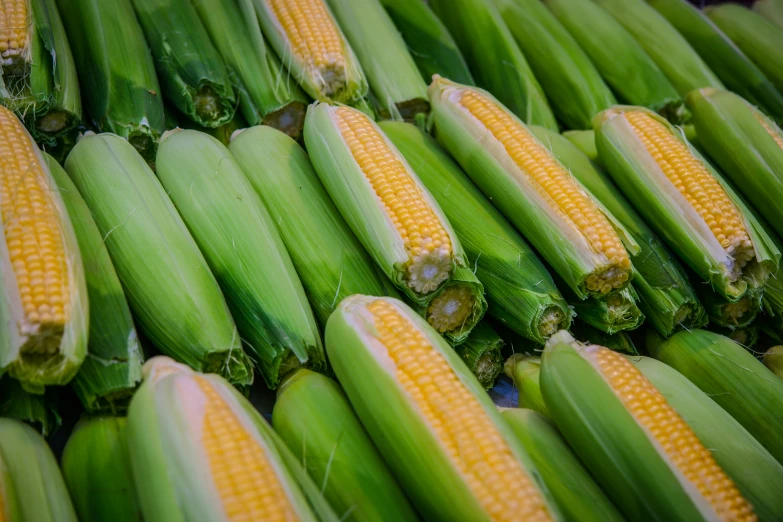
{"x":661,"y":41}
{"x":242,"y":246}
{"x":33,"y":488}
{"x":314,"y":418}
{"x":757,"y":475}
{"x":721,"y":55}
{"x":41,"y":85}
{"x":267,"y":95}
{"x":728,"y":314}
{"x":327,"y":256}
{"x":584,"y":140}
{"x":174,"y":297}
{"x":623,"y":63}
{"x":570,"y":483}
{"x":745,"y":336}
{"x":512,"y":190}
{"x":520,"y":292}
{"x":396,"y":423}
{"x":223,"y":133}
{"x":760,"y":39}
{"x":772,"y":10}
{"x":39,"y":411}
{"x":192,"y":74}
{"x":667,"y":298}
{"x":640,"y":178}
{"x":773,"y":359}
{"x":735,"y":379}
{"x":97,"y":469}
{"x":461,"y":301}
{"x":398,"y":89}
{"x":740,"y":139}
{"x":481,"y":352}
{"x":571,"y":82}
{"x":116,"y":71}
{"x":429,"y":42}
{"x":494,"y":58}
{"x":615,"y":313}
{"x":525,"y":371}
{"x":619,"y":342}
{"x":112,"y":368}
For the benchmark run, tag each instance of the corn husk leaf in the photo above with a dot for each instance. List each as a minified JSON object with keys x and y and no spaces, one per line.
{"x":525,"y":371}
{"x":619,"y":342}
{"x":616,"y":313}
{"x":584,"y":140}
{"x":481,"y":352}
{"x":39,"y":411}
{"x":772,"y":10}
{"x":457,"y":307}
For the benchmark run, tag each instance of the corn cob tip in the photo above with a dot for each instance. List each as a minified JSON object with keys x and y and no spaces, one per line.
{"x":511,"y":362}
{"x":160,"y":366}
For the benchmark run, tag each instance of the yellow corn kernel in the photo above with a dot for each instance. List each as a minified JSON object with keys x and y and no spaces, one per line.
{"x":426,"y":240}
{"x":247,"y":484}
{"x":34,"y":239}
{"x":14,"y":27}
{"x":775,"y":135}
{"x":451,"y":308}
{"x":558,"y":186}
{"x":697,"y":185}
{"x":467,"y":434}
{"x":695,"y":462}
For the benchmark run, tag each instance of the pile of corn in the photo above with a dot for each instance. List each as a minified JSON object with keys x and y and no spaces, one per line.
{"x":269,"y":259}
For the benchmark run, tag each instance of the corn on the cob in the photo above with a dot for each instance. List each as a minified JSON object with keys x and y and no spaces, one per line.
{"x":31,"y":486}
{"x":520,"y":292}
{"x":382,"y":200}
{"x":730,"y":375}
{"x":772,"y":10}
{"x":39,"y":411}
{"x":525,"y":371}
{"x":43,"y":296}
{"x":637,"y":446}
{"x":532,"y":189}
{"x":192,"y":73}
{"x":97,"y":469}
{"x":397,"y":87}
{"x":267,"y":95}
{"x":667,"y":297}
{"x":773,"y":359}
{"x":457,"y":307}
{"x":429,"y":416}
{"x":429,"y":41}
{"x":315,"y":420}
{"x":200,"y":451}
{"x":760,"y":39}
{"x":494,"y":58}
{"x":624,"y":65}
{"x":174,"y":297}
{"x":312,"y":46}
{"x":481,"y":352}
{"x":619,"y":342}
{"x":684,"y":199}
{"x":570,"y":484}
{"x":758,"y":476}
{"x":116,"y":71}
{"x":571,"y":82}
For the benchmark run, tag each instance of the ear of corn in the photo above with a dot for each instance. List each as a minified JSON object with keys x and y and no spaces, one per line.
{"x":520,"y":292}
{"x":44,"y":311}
{"x":772,"y":10}
{"x":730,"y":375}
{"x":773,"y":359}
{"x":630,"y":445}
{"x":666,"y":295}
{"x":116,"y":71}
{"x":533,"y":190}
{"x":112,"y":368}
{"x":175,"y":299}
{"x":494,"y":58}
{"x":311,"y":45}
{"x":760,"y":39}
{"x":746,"y":144}
{"x":525,"y":371}
{"x":429,"y":416}
{"x":758,"y":476}
{"x":192,"y":73}
{"x":482,"y":353}
{"x":571,"y":82}
{"x":428,"y":40}
{"x":457,"y":307}
{"x":572,"y":487}
{"x":382,"y":200}
{"x":39,"y":411}
{"x":684,"y":199}
{"x":200,"y":451}
{"x":267,"y":95}
{"x":731,"y":65}
{"x":617,"y":312}
{"x":316,"y":421}
{"x":97,"y":469}
{"x":243,"y":248}
{"x":32,"y":486}
{"x":731,"y":314}
{"x":619,"y":342}
{"x":624,"y":65}
{"x":396,"y":84}
{"x":37,"y":72}
{"x":584,"y":140}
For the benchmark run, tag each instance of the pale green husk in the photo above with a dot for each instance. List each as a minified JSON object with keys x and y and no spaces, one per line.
{"x":243,"y":248}
{"x":39,"y":411}
{"x":97,"y":469}
{"x":482,"y":353}
{"x":314,"y":418}
{"x":494,"y":58}
{"x":174,"y":297}
{"x":33,"y":490}
{"x":525,"y":371}
{"x":772,"y":10}
{"x":584,"y":140}
{"x":773,"y":359}
{"x":116,"y":71}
